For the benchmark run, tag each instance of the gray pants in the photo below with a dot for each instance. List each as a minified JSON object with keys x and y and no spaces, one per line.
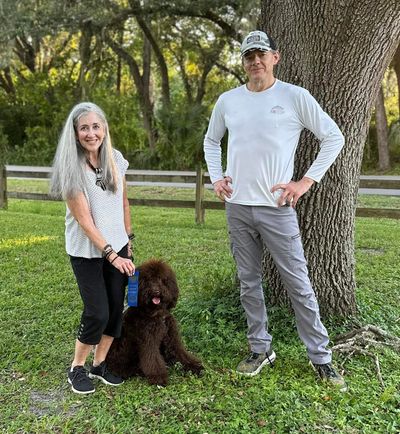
{"x":278,"y":229}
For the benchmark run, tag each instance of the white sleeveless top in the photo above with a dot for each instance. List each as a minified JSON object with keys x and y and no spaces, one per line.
{"x":107,"y":210}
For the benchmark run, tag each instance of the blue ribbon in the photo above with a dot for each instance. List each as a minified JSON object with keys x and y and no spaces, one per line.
{"x":133,"y":289}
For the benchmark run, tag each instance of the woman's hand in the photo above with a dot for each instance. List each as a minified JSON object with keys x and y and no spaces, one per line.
{"x":124,"y":265}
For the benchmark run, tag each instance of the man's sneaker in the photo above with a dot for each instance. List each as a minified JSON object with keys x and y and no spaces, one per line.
{"x":79,"y":380}
{"x":102,"y":373}
{"x":328,"y":373}
{"x":253,"y":364}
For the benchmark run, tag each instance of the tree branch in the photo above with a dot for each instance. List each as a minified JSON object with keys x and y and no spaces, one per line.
{"x":360,"y":340}
{"x":231,"y":71}
{"x":160,"y":59}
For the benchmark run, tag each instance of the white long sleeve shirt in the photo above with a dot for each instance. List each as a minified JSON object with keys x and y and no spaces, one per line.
{"x":263,"y":134}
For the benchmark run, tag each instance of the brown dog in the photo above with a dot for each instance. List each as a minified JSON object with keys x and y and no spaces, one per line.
{"x":150,"y":339}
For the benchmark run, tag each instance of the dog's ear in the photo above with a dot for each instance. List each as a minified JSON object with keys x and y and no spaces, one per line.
{"x":173,"y":290}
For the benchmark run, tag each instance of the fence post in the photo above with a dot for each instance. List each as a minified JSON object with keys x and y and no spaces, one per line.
{"x":199,"y":207}
{"x":3,"y":187}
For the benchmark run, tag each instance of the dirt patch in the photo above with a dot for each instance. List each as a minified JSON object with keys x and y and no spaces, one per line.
{"x":371,"y":251}
{"x":51,"y":403}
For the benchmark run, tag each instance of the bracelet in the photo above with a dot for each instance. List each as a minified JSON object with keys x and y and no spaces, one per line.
{"x":106,"y":249}
{"x":114,"y":259}
{"x":131,"y":236}
{"x":109,"y":253}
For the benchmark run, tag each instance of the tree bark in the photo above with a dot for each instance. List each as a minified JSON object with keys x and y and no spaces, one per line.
{"x":396,"y":66}
{"x":338,"y":50}
{"x":119,"y":62}
{"x":6,"y":81}
{"x":85,"y":41}
{"x":26,"y":52}
{"x":165,"y":92}
{"x":382,"y":132}
{"x":209,"y":61}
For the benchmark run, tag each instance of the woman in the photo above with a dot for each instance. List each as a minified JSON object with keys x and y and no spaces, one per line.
{"x":90,"y":176}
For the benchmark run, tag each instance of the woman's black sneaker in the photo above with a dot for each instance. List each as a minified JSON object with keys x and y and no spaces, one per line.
{"x":102,"y":373}
{"x":79,"y":380}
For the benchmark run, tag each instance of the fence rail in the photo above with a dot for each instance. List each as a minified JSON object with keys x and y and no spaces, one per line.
{"x":194,"y":179}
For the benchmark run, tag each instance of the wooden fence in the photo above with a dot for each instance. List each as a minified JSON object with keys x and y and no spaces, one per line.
{"x":196,"y":179}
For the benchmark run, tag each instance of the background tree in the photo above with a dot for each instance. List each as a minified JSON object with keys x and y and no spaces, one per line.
{"x":396,"y":67}
{"x":156,"y":67}
{"x":121,"y":57}
{"x":339,"y":51}
{"x":382,"y":131}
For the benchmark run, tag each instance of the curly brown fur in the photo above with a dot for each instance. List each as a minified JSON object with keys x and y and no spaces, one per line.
{"x":150,"y":339}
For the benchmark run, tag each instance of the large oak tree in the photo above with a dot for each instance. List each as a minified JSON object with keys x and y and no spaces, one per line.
{"x":339,"y":51}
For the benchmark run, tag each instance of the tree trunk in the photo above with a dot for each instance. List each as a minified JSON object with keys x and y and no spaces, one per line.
{"x":339,"y":52}
{"x":210,"y":60}
{"x":396,"y":66}
{"x":6,"y":81}
{"x":119,"y":62}
{"x":163,"y":69}
{"x":140,"y":81}
{"x":382,"y":131}
{"x":85,"y":41}
{"x":25,"y":50}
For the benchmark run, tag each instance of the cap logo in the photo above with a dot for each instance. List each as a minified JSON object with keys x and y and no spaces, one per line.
{"x":253,"y":38}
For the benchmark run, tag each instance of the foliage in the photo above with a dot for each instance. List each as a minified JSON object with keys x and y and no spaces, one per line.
{"x":181,"y":136}
{"x":56,"y":55}
{"x":40,"y":307}
{"x":370,"y":156}
{"x":34,"y":121}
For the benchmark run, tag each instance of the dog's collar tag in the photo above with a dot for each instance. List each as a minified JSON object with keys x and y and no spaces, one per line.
{"x":133,"y":289}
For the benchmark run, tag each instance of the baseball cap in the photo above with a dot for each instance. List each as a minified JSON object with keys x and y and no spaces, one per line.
{"x":257,"y":40}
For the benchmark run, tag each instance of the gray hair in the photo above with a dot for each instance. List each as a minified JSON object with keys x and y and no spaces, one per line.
{"x":69,"y":165}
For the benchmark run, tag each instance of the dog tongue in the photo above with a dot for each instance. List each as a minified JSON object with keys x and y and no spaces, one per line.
{"x":156,"y":300}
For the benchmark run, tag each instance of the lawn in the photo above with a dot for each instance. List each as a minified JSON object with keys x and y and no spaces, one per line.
{"x":40,"y":309}
{"x":151,"y":192}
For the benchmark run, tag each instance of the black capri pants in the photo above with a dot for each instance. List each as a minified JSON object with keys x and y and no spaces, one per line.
{"x":102,"y":288}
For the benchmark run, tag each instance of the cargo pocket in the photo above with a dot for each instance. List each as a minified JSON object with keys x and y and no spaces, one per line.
{"x":241,"y":240}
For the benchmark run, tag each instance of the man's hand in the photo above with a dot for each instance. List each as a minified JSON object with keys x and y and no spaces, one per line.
{"x":292,"y":191}
{"x":222,"y":188}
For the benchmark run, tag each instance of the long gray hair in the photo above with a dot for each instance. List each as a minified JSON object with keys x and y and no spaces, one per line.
{"x":69,"y":165}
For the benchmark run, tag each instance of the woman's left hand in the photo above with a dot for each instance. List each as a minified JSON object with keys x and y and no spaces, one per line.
{"x":124,"y":265}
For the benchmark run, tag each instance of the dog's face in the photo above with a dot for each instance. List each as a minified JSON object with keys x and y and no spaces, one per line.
{"x":158,"y":288}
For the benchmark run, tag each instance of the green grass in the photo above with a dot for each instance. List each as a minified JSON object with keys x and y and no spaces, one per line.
{"x":139,"y":192}
{"x":40,"y":309}
{"x":394,"y":170}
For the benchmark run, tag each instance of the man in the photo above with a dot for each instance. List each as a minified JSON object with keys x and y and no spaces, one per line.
{"x":264,"y":119}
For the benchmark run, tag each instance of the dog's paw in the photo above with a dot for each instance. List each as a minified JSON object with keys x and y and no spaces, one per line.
{"x":195,"y":368}
{"x":158,"y":380}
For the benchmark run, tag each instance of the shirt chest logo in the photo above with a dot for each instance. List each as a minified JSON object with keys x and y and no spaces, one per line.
{"x":278,"y":110}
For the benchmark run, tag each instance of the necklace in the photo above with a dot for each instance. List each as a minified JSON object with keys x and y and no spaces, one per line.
{"x":99,"y":175}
